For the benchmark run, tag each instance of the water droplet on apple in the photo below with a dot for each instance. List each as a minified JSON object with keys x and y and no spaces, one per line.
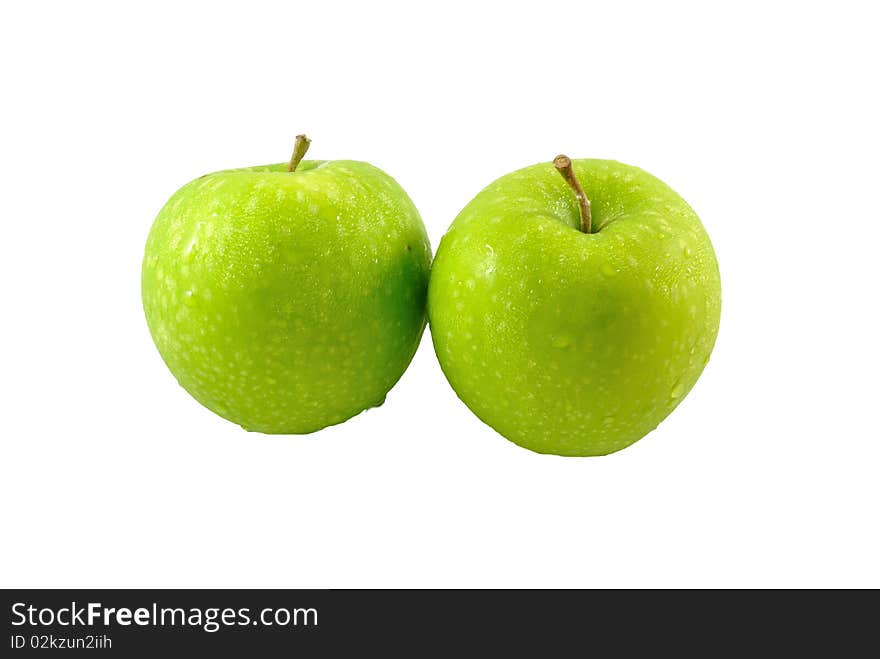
{"x":561,"y":341}
{"x":189,"y":298}
{"x":677,"y":390}
{"x":608,"y":270}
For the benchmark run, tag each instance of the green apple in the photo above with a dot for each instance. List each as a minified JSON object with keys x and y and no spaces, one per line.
{"x":574,"y":319}
{"x":288,"y":297}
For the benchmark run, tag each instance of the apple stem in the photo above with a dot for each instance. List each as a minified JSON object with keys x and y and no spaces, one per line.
{"x":300,"y":146}
{"x":563,"y":166}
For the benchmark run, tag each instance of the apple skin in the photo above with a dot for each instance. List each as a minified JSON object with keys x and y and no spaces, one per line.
{"x":570,"y":343}
{"x":287,"y":302}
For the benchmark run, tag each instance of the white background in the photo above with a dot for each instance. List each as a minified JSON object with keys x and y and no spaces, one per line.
{"x":764,"y":116}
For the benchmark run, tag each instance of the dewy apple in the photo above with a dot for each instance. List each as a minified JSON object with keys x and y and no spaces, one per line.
{"x":573,"y":313}
{"x":288,"y":297}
